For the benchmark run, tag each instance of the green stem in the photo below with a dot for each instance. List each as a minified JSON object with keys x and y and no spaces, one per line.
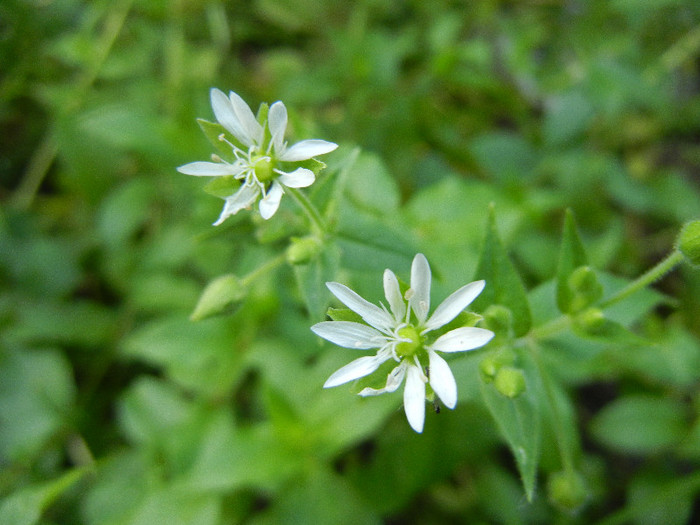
{"x":317,"y":222}
{"x":655,"y":273}
{"x":550,"y":328}
{"x":262,"y":270}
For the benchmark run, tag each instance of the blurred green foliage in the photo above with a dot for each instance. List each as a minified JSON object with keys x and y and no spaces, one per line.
{"x":115,"y":408}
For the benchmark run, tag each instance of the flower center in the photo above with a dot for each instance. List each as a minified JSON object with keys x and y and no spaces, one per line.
{"x":263,"y":169}
{"x":415,"y":341}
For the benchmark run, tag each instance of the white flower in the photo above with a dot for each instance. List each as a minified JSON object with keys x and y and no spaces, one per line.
{"x":400,"y":333}
{"x":257,"y":165}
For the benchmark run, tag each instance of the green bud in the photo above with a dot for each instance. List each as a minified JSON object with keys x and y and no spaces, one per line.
{"x":221,"y":292}
{"x":303,"y":250}
{"x":567,"y":490}
{"x":688,"y":242}
{"x":489,"y":367}
{"x":590,"y":321}
{"x":510,"y":382}
{"x":498,"y":319}
{"x":585,"y":287}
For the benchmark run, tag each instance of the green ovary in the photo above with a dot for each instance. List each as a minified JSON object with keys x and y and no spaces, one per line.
{"x":263,"y":170}
{"x":409,"y":348}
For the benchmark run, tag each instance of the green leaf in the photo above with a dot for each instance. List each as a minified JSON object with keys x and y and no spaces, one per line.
{"x":36,"y":396}
{"x":26,"y":506}
{"x":230,"y":458}
{"x":321,"y":497}
{"x":640,"y":424}
{"x":214,"y":130}
{"x":503,"y":284}
{"x":571,"y":256}
{"x":177,"y":506}
{"x":518,"y":420}
{"x":312,"y":278}
{"x":372,"y":189}
{"x":344,"y":314}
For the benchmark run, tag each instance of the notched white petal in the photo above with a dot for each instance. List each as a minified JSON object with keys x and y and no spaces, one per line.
{"x":209,"y":169}
{"x":271,"y":201}
{"x":372,"y":314}
{"x":461,"y":339}
{"x":251,"y":128}
{"x":277,"y":122}
{"x":307,"y":149}
{"x":299,"y":178}
{"x":354,"y":370}
{"x":454,"y":304}
{"x":414,"y":398}
{"x":392,"y":293}
{"x":349,"y":335}
{"x":420,"y":287}
{"x":226,"y":116}
{"x":442,"y":381}
{"x":243,"y":198}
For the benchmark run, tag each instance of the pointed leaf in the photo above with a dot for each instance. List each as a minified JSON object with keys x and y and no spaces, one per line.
{"x":503,"y":284}
{"x":571,"y":256}
{"x":214,"y":130}
{"x":519,"y":422}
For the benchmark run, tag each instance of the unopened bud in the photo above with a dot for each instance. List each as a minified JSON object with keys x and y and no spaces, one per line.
{"x":218,"y":294}
{"x":489,"y":366}
{"x":498,"y":319}
{"x":585,"y":288}
{"x":567,"y":490}
{"x":688,"y":242}
{"x":301,"y":251}
{"x":510,"y":382}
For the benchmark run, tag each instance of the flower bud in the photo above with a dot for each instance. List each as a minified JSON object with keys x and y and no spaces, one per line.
{"x":585,"y":288}
{"x":590,"y":321}
{"x":218,"y":294}
{"x":688,"y":242}
{"x":567,"y":490}
{"x":498,"y":319}
{"x":303,"y":250}
{"x":510,"y":382}
{"x":489,"y":367}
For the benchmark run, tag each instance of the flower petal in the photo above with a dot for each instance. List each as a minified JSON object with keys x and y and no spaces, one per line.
{"x":372,"y":314}
{"x":355,"y":369}
{"x":209,"y":169}
{"x":307,"y":149}
{"x":277,"y":123}
{"x":349,"y":335}
{"x":461,"y":339}
{"x":392,"y":292}
{"x":243,"y":198}
{"x":299,"y":178}
{"x":442,"y":381}
{"x":251,"y":128}
{"x":393,"y":381}
{"x":226,"y":116}
{"x":414,"y":398}
{"x":271,"y":202}
{"x":454,"y":304}
{"x":420,"y":287}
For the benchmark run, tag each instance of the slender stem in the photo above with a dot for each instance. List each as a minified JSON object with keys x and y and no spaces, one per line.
{"x":309,"y":209}
{"x":262,"y":270}
{"x":655,"y":273}
{"x":550,"y":328}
